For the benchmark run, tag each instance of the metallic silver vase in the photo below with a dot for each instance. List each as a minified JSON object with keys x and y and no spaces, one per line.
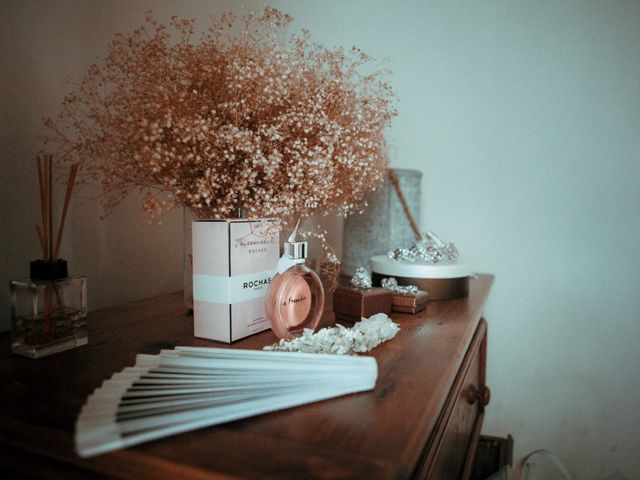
{"x":383,"y":226}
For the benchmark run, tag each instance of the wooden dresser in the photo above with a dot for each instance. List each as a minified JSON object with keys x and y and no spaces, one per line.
{"x":422,"y":420}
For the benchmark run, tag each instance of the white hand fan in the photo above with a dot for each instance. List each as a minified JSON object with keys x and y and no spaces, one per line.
{"x":189,"y":388}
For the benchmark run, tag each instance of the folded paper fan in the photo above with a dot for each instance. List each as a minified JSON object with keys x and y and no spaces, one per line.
{"x":190,"y":388}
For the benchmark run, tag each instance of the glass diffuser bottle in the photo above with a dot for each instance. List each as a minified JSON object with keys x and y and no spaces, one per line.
{"x":295,"y":298}
{"x":49,"y":309}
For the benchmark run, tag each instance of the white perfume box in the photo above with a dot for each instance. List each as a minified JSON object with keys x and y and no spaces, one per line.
{"x":233,"y":264}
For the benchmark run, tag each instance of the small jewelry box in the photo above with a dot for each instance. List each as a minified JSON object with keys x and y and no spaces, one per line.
{"x":350,"y":304}
{"x":409,"y":303}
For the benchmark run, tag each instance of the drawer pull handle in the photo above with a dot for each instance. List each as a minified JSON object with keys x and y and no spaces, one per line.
{"x":481,"y":395}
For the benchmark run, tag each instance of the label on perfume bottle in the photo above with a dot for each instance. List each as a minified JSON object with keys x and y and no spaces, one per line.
{"x":295,"y":304}
{"x":233,"y":264}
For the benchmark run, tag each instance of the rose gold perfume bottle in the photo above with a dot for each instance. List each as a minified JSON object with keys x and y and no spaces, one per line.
{"x":295,"y":298}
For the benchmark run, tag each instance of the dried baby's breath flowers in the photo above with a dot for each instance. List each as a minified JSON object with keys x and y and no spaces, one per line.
{"x":246,"y":118}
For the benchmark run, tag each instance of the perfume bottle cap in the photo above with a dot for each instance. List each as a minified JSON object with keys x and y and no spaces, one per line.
{"x":293,"y":248}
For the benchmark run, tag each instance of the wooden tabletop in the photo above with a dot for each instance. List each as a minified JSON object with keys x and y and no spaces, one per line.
{"x":376,"y":434}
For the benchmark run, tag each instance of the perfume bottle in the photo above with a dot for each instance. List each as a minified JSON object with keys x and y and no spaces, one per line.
{"x":295,"y":298}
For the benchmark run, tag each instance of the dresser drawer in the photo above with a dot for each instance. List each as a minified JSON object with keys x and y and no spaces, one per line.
{"x":459,"y":426}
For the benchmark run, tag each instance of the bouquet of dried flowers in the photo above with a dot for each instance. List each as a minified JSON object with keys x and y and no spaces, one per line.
{"x":246,"y":118}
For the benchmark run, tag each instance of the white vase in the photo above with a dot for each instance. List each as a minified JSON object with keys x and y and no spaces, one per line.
{"x":383,"y":226}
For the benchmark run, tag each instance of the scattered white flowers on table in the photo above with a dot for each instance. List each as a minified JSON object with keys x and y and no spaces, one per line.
{"x":365,"y":335}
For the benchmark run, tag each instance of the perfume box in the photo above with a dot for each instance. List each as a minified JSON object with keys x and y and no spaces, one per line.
{"x":233,"y":263}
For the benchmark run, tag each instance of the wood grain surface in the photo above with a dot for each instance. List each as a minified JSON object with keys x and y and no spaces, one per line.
{"x":384,"y":433}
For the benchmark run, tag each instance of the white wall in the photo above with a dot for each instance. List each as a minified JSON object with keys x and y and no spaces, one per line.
{"x":524,"y":118}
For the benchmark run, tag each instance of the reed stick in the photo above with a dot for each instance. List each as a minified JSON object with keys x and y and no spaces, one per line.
{"x":67,"y":198}
{"x":48,"y":326}
{"x":42,"y":206}
{"x":45,"y":225}
{"x":50,"y":206}
{"x":396,"y":184}
{"x":41,"y":239}
{"x":45,"y":210}
{"x":51,"y":250}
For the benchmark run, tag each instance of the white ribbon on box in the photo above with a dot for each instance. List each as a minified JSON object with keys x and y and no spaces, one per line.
{"x":235,"y":289}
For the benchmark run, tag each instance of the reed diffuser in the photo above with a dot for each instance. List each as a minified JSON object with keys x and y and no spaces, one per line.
{"x":49,"y":309}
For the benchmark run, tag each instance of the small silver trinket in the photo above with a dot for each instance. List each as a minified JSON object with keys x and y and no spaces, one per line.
{"x":391,"y":284}
{"x":429,"y":249}
{"x":361,"y":279}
